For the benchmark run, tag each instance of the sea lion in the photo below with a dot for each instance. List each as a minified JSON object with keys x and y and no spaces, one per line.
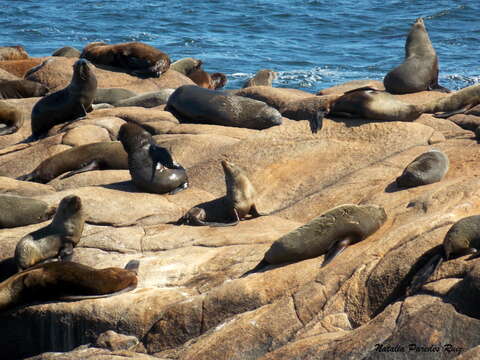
{"x":190,"y":103}
{"x":186,"y":65}
{"x":66,"y":281}
{"x":96,"y":156}
{"x":112,"y":95}
{"x":20,"y":211}
{"x":20,"y":67}
{"x":205,"y":80}
{"x":329,"y":233}
{"x":372,"y":104}
{"x":18,"y":89}
{"x":458,"y":102}
{"x":147,"y":100}
{"x":135,"y":57}
{"x":11,"y":117}
{"x":428,"y":168}
{"x":151,"y":166}
{"x":419,"y":70}
{"x":67,"y":51}
{"x":67,"y":104}
{"x":13,"y":53}
{"x":263,"y":77}
{"x":54,"y":240}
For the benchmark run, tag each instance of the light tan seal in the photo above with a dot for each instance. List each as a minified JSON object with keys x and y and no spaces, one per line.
{"x":67,"y":51}
{"x":20,"y":211}
{"x":263,"y":77}
{"x":11,"y":117}
{"x":186,"y":65}
{"x":455,"y":103}
{"x":427,"y":168}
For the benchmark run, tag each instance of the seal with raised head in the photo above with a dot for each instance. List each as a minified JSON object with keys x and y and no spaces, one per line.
{"x":20,"y":211}
{"x":151,"y":166}
{"x":135,"y":57}
{"x":263,"y":77}
{"x":208,"y":81}
{"x":57,"y":239}
{"x":11,"y":117}
{"x":428,"y":168}
{"x":329,"y":234}
{"x":455,"y":103}
{"x":190,"y":103}
{"x":18,"y":89}
{"x":419,"y":70}
{"x":66,"y":281}
{"x":67,"y":51}
{"x":95,"y":156}
{"x":13,"y":53}
{"x":67,"y":104}
{"x":186,"y":65}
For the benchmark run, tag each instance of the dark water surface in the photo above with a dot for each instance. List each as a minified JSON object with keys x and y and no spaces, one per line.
{"x":312,"y":44}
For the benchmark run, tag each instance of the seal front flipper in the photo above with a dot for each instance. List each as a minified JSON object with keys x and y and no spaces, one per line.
{"x":178,"y":189}
{"x":133,"y":265}
{"x":336,"y":249}
{"x":92,"y":165}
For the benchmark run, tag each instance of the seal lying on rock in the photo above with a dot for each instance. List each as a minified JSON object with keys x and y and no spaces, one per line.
{"x":11,"y":117}
{"x":458,"y":102}
{"x":428,"y":168}
{"x":67,"y":104}
{"x":328,"y":234}
{"x":13,"y":53}
{"x":190,"y":103}
{"x":419,"y":70}
{"x":18,"y":89}
{"x":186,"y":65}
{"x":20,"y":211}
{"x":263,"y":77}
{"x":112,"y":95}
{"x":67,"y":51}
{"x":151,"y":166}
{"x":66,"y":281}
{"x":208,"y":81}
{"x":54,"y":240}
{"x":147,"y":100}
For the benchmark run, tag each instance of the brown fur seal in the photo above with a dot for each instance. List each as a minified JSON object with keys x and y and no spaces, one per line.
{"x":458,"y":102}
{"x":102,"y":155}
{"x":151,"y":166}
{"x":67,"y":104}
{"x":372,"y":104}
{"x":11,"y":117}
{"x":191,"y":103}
{"x":54,"y":240}
{"x":20,"y":67}
{"x":135,"y":57}
{"x":66,"y":281}
{"x":13,"y":53}
{"x":428,"y":168}
{"x":67,"y":51}
{"x":205,"y":80}
{"x":328,"y":234}
{"x":112,"y":95}
{"x":186,"y":65}
{"x":263,"y":77}
{"x":20,"y":211}
{"x":18,"y":89}
{"x":419,"y":70}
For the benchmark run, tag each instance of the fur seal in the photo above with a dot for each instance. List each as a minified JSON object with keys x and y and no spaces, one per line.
{"x":20,"y":67}
{"x":151,"y":166}
{"x":186,"y":65}
{"x":67,"y":104}
{"x":20,"y":211}
{"x":66,"y":281}
{"x":328,"y":234}
{"x":13,"y":53}
{"x":135,"y":57}
{"x":205,"y":80}
{"x":428,"y":168}
{"x":11,"y":117}
{"x":18,"y":89}
{"x":67,"y":51}
{"x":191,"y":103}
{"x":419,"y":70}
{"x":455,"y":103}
{"x":112,"y":95}
{"x":96,"y":156}
{"x":263,"y":77}
{"x":147,"y":100}
{"x":54,"y":240}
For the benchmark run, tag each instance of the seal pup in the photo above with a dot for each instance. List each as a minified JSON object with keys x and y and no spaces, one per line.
{"x":11,"y":117}
{"x":455,"y":103}
{"x":419,"y":70}
{"x":190,"y":103}
{"x":205,"y":80}
{"x":55,"y":240}
{"x":20,"y":211}
{"x":329,"y":233}
{"x":186,"y":65}
{"x":151,"y":166}
{"x":428,"y":168}
{"x":135,"y":57}
{"x":66,"y":281}
{"x":263,"y":77}
{"x":13,"y":53}
{"x":67,"y":104}
{"x":18,"y":89}
{"x":96,"y":156}
{"x":67,"y":51}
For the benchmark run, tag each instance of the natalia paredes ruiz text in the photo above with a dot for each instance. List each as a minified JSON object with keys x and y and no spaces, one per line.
{"x":414,"y":348}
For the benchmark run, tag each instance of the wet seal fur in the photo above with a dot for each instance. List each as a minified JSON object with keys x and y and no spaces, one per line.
{"x":96,"y":156}
{"x":455,"y":103}
{"x":18,"y":89}
{"x":66,"y":281}
{"x":67,"y":104}
{"x":186,"y":65}
{"x":20,"y":211}
{"x":190,"y":103}
{"x":55,"y":240}
{"x":135,"y":57}
{"x":151,"y":166}
{"x":13,"y":53}
{"x":428,"y":168}
{"x":11,"y":117}
{"x":328,"y":234}
{"x":263,"y":77}
{"x":419,"y":70}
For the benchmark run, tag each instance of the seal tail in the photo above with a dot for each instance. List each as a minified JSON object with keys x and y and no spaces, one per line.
{"x":424,"y":273}
{"x":262,"y":264}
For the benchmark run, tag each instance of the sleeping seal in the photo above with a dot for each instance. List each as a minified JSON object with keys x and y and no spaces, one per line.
{"x":428,"y":168}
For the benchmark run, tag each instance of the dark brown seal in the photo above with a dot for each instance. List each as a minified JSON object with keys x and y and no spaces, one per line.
{"x":67,"y":51}
{"x":263,"y":77}
{"x":13,"y":53}
{"x":151,"y":166}
{"x":57,"y":239}
{"x":20,"y":211}
{"x":428,"y":168}
{"x":205,"y":80}
{"x":11,"y":117}
{"x":190,"y":103}
{"x":67,"y":104}
{"x":135,"y":57}
{"x":96,"y":156}
{"x":66,"y":281}
{"x":419,"y":70}
{"x":18,"y":89}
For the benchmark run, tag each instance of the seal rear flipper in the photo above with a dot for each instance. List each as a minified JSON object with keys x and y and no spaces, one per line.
{"x":235,"y":222}
{"x":454,"y":112}
{"x":87,"y":297}
{"x":363,"y":88}
{"x":262,"y":264}
{"x":316,"y":122}
{"x":179,"y":188}
{"x":336,"y":249}
{"x":133,"y":265}
{"x":8,"y":130}
{"x":92,"y":165}
{"x":26,"y":177}
{"x":424,"y":273}
{"x":254,"y":212}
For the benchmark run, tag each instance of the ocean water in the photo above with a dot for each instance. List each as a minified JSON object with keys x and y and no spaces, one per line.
{"x":312,"y":44}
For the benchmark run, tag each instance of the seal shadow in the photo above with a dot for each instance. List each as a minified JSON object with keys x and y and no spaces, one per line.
{"x":393,"y":187}
{"x":8,"y":268}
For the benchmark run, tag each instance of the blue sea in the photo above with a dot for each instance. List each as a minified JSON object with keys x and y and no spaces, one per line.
{"x":312,"y":44}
